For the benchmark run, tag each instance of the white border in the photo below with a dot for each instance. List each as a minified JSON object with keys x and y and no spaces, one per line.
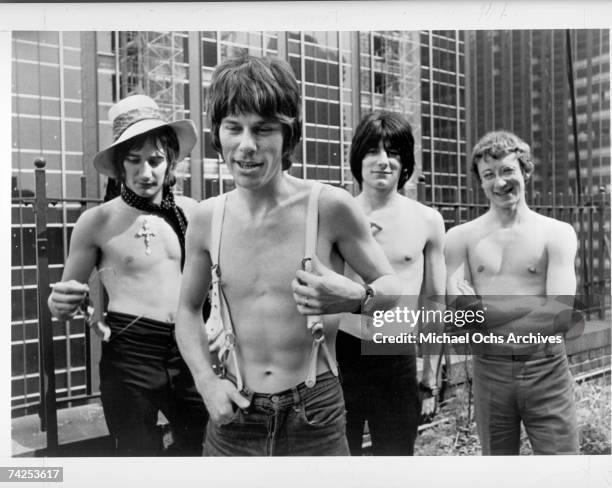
{"x":576,"y":471}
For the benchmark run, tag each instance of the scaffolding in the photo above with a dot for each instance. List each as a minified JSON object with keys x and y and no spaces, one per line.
{"x":153,"y":63}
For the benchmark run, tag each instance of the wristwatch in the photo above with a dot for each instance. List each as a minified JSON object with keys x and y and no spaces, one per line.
{"x":368,"y":298}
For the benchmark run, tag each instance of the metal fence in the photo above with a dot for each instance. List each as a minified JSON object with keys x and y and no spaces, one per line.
{"x":590,"y":216}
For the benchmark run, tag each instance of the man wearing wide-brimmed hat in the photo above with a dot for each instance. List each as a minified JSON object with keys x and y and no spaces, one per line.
{"x":137,"y":244}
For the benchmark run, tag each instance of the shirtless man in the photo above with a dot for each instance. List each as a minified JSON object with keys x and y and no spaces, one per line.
{"x":511,"y":250}
{"x":254,"y":107}
{"x":136,"y":242}
{"x":383,"y":389}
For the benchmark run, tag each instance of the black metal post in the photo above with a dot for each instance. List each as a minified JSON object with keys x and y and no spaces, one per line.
{"x":87,"y":331}
{"x":421,"y":187}
{"x":570,"y":77}
{"x":45,"y":327}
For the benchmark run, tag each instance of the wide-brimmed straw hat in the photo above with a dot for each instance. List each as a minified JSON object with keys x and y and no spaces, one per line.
{"x":136,"y":115}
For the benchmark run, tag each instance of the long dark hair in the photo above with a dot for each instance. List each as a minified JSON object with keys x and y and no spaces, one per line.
{"x":394,"y":131}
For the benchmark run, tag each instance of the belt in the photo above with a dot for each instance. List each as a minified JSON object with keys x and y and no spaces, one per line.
{"x":541,"y":354}
{"x":287,"y":397}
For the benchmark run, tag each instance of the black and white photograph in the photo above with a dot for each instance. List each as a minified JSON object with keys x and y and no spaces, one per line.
{"x":371,"y":239}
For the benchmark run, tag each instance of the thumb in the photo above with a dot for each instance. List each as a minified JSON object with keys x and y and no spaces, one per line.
{"x":318,"y":268}
{"x":238,"y":399}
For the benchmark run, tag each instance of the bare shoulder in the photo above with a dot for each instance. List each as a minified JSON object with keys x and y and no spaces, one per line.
{"x":92,"y":225}
{"x":201,"y":212}
{"x":339,"y":205}
{"x":335,"y":198}
{"x":556,"y":231}
{"x":430,"y":215}
{"x":186,"y":203}
{"x":459,"y":235}
{"x":98,"y":217}
{"x":341,"y":214}
{"x":200,"y":221}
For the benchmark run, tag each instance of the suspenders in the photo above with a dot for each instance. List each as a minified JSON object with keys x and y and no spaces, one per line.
{"x":314,"y":323}
{"x":220,"y":331}
{"x":219,"y":326}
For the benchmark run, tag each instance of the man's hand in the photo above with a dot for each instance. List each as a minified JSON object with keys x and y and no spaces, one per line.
{"x":220,"y":396}
{"x":428,"y":408}
{"x":65,"y":298}
{"x":429,"y":402}
{"x":428,"y":389}
{"x":466,"y":288}
{"x":318,"y":290}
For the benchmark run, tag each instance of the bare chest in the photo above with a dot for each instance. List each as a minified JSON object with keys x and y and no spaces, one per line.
{"x":139,"y":243}
{"x":262,"y":258}
{"x":509,"y":261}
{"x":402,"y":237}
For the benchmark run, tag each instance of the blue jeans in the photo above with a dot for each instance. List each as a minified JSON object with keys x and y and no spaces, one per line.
{"x":537,"y":390}
{"x":299,"y":421}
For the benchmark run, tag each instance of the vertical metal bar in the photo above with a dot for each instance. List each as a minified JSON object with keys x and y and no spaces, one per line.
{"x":601,"y":289}
{"x":432,"y":160}
{"x":87,"y":331}
{"x":45,"y":327}
{"x":459,"y":169}
{"x":550,"y":209}
{"x":371,"y":59}
{"x":589,"y":251}
{"x":421,"y":196}
{"x":457,"y":212}
{"x":470,"y":203}
{"x":583,"y":267}
{"x":195,"y":113}
{"x":471,"y":115}
{"x":559,"y":212}
{"x":341,"y":106}
{"x":117,"y":66}
{"x":570,"y":77}
{"x":90,"y":110}
{"x":356,"y":79}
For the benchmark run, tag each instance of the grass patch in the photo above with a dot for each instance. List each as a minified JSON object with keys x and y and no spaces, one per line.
{"x":453,"y":432}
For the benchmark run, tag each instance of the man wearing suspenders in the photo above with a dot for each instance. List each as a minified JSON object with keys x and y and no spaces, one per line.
{"x":279,"y":393}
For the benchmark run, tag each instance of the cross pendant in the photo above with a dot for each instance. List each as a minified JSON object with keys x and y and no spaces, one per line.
{"x":146,"y":233}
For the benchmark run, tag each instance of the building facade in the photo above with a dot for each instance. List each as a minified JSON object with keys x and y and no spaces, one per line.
{"x":519,"y":82}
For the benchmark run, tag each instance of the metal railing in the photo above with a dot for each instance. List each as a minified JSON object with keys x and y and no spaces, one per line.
{"x":49,"y":402}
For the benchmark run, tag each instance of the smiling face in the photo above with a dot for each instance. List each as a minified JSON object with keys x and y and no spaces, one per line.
{"x":502,"y":180}
{"x":252,"y":148}
{"x":145,"y":171}
{"x":380,"y":168}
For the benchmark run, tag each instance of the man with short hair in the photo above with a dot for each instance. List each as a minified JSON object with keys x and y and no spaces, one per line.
{"x":522,"y":264}
{"x":280,"y":393}
{"x":136,"y":243}
{"x":383,"y":389}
